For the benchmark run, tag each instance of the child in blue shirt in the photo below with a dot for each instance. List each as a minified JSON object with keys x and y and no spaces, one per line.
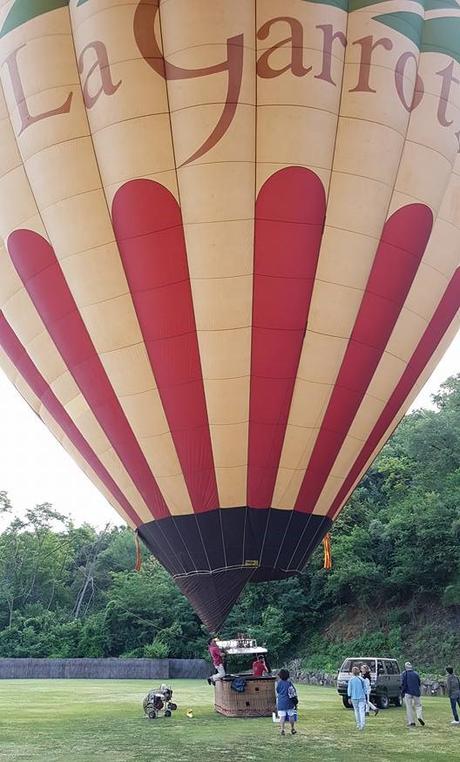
{"x":286,"y":701}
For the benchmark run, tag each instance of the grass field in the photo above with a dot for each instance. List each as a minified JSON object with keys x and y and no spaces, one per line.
{"x":102,"y":720}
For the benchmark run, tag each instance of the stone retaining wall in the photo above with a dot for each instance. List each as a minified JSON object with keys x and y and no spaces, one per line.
{"x":119,"y":669}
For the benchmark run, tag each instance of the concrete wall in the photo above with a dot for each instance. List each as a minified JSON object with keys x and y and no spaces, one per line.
{"x":148,"y":669}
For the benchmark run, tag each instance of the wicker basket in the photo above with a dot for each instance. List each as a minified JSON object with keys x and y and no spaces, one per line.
{"x":257,"y":700}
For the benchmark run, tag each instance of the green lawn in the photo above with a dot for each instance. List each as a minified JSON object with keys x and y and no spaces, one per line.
{"x":102,"y":720}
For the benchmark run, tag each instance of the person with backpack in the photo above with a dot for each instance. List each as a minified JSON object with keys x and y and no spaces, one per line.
{"x":286,"y":701}
{"x":453,"y":691}
{"x":356,"y":691}
{"x":410,"y":691}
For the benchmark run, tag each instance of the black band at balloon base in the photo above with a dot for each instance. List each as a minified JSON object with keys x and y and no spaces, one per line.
{"x":213,"y":555}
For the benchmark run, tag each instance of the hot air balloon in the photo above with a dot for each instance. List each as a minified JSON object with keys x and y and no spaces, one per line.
{"x":231,"y":245}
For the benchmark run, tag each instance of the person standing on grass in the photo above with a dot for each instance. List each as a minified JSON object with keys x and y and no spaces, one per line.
{"x":286,"y":701}
{"x":217,"y":659}
{"x":410,"y":691}
{"x":366,"y":675}
{"x":453,"y":691}
{"x":356,"y":691}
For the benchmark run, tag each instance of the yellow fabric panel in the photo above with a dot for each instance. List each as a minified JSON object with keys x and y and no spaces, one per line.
{"x":333,"y":309}
{"x":20,"y":214}
{"x":297,"y":448}
{"x":211,"y":247}
{"x":295,"y":135}
{"x":296,"y":121}
{"x":96,"y":274}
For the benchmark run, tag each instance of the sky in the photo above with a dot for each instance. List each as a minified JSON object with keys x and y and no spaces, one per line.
{"x":34,"y":468}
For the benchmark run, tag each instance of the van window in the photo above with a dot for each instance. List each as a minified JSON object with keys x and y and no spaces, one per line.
{"x":348,"y":664}
{"x":392,"y":668}
{"x":380,"y":667}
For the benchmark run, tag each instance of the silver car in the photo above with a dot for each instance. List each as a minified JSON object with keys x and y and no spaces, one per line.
{"x":385,"y":680}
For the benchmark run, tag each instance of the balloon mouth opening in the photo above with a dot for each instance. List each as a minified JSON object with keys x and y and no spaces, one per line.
{"x":213,"y":555}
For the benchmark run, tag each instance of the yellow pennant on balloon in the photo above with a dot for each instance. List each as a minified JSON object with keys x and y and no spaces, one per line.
{"x":327,"y":551}
{"x":138,"y":564}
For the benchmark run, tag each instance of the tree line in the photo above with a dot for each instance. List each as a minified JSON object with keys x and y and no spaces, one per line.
{"x":394,"y":588}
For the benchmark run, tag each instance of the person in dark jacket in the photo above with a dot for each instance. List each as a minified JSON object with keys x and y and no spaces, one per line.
{"x":453,"y":691}
{"x":410,"y":691}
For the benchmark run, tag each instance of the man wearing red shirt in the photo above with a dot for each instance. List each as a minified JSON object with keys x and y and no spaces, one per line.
{"x":217,"y":660}
{"x":259,"y":667}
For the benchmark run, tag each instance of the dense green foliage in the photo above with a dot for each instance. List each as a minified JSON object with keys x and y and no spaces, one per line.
{"x":394,"y":586}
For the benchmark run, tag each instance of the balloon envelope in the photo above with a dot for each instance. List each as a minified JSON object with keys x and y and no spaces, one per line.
{"x":231,"y":244}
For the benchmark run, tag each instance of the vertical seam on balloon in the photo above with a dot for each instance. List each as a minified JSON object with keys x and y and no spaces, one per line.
{"x":201,"y":539}
{"x":300,"y":539}
{"x":244,"y":535}
{"x":406,"y":131}
{"x":159,"y":528}
{"x":184,"y":543}
{"x":265,"y":535}
{"x":222,"y":535}
{"x":342,"y":86}
{"x":90,"y":134}
{"x":67,"y":426}
{"x":288,"y":524}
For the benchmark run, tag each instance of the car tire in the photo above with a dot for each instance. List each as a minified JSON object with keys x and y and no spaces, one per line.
{"x":346,"y":702}
{"x":383,"y":702}
{"x":151,"y":714}
{"x":168,"y":713}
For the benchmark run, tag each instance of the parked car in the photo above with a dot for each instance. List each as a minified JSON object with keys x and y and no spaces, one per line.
{"x":385,"y":682}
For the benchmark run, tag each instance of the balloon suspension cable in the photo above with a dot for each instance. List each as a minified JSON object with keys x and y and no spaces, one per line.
{"x":138,"y":564}
{"x":327,"y":551}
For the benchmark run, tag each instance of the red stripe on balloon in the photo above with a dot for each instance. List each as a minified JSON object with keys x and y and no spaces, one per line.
{"x":32,"y":376}
{"x":402,"y":244}
{"x":437,"y":327}
{"x":41,"y":274}
{"x":148,"y":226}
{"x":289,"y":220}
